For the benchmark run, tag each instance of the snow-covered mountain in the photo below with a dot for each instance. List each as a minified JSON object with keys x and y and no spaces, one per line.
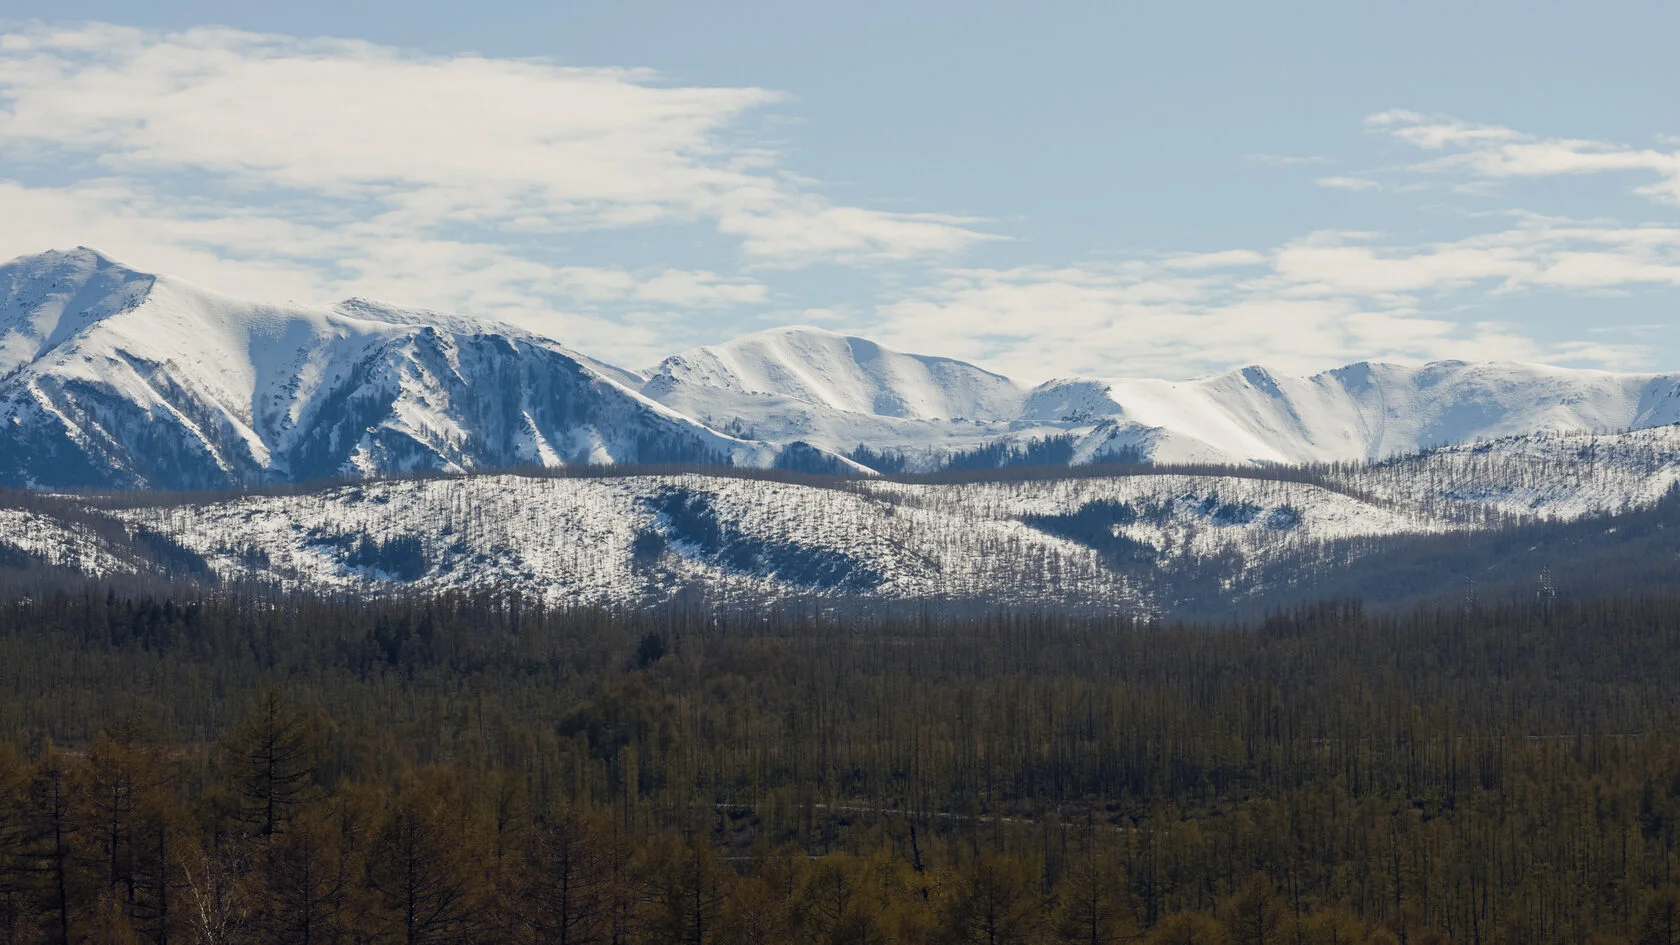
{"x":110,"y":377}
{"x":115,"y":378}
{"x":1364,"y":411}
{"x":842,"y":373}
{"x":837,"y":392}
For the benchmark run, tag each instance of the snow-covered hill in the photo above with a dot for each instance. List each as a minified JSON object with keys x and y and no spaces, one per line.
{"x":33,"y":536}
{"x":837,"y":392}
{"x":111,"y":377}
{"x":626,"y":540}
{"x":1528,"y":477}
{"x":641,"y":539}
{"x":1148,"y":542}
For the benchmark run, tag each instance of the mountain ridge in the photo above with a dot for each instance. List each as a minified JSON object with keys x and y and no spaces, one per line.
{"x":1367,"y":410}
{"x":845,"y":372}
{"x":182,"y":387}
{"x":112,"y":377}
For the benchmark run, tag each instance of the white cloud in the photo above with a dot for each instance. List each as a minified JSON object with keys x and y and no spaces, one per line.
{"x":1327,"y":264}
{"x":698,"y":288}
{"x":1325,"y":298}
{"x":1348,"y":183}
{"x":1438,"y":133}
{"x":1285,"y":160}
{"x":309,"y":169}
{"x":1494,"y":151}
{"x":1313,"y":303}
{"x":816,"y":316}
{"x":268,"y":258}
{"x":272,"y":166}
{"x":427,"y":140}
{"x":1033,"y":324}
{"x":1219,"y":260}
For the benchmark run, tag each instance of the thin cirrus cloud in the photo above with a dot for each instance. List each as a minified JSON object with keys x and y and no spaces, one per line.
{"x":1348,"y":183}
{"x":1285,"y":160}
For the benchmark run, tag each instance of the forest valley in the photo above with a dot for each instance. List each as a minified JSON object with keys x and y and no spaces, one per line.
{"x":187,"y":766}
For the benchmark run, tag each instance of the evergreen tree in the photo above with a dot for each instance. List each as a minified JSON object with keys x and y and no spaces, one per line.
{"x":1187,"y":928}
{"x":1254,"y":915}
{"x":15,"y":833}
{"x":50,"y":855}
{"x":1660,"y":924}
{"x":690,"y":890}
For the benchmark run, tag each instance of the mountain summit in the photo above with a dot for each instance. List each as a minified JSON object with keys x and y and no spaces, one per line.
{"x":838,"y":372}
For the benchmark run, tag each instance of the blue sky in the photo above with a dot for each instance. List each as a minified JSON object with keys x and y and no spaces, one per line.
{"x":1046,"y":189}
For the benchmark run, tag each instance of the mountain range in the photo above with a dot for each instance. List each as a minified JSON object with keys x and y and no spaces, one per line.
{"x":112,"y":378}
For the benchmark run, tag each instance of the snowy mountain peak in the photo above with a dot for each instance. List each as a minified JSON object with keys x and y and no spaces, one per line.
{"x":79,"y":258}
{"x":47,"y":299}
{"x":839,"y":372}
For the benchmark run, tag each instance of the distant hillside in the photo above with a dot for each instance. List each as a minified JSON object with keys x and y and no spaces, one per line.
{"x":1207,"y":541}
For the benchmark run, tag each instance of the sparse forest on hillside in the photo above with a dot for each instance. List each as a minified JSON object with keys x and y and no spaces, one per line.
{"x":252,"y":768}
{"x":1190,"y":541}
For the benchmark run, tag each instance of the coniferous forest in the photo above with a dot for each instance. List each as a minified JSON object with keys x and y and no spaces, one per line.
{"x":247,"y":767}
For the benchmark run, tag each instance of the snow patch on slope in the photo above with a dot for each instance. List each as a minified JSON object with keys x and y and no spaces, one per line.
{"x":58,"y":543}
